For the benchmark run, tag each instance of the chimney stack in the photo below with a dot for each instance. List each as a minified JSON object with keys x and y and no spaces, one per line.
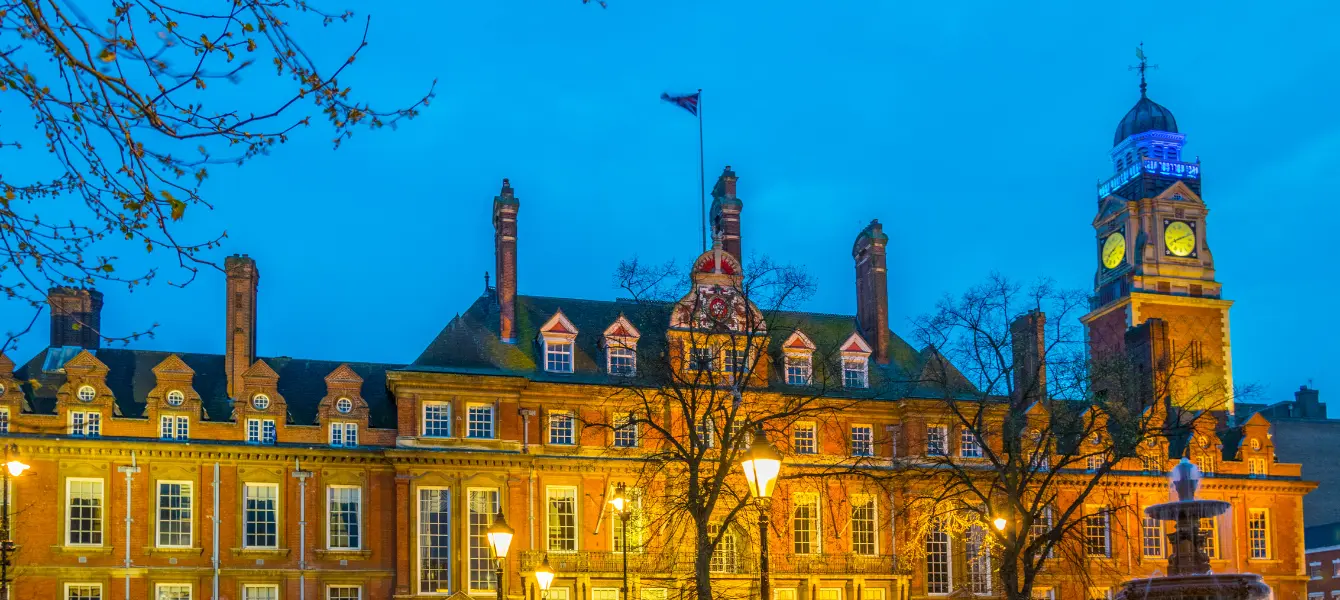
{"x":872,"y":289}
{"x":1309,"y":403}
{"x":505,"y":207}
{"x":726,"y":214}
{"x":76,"y":317}
{"x":243,"y":280}
{"x":1028,"y":334}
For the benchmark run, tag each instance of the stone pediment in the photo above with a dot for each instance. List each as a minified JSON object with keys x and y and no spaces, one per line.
{"x":85,"y":363}
{"x":173,"y":366}
{"x":260,"y":370}
{"x":343,"y":376}
{"x":1179,"y":189}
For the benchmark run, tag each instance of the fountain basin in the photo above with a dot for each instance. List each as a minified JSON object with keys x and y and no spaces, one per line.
{"x":1196,"y":509}
{"x":1206,"y":586}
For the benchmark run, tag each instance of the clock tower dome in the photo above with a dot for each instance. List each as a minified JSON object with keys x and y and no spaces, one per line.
{"x":1154,"y":262}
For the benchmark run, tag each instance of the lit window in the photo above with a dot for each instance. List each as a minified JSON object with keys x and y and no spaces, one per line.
{"x":1209,"y":528}
{"x":4,"y":419}
{"x":260,"y":401}
{"x":979,"y":561}
{"x":1152,"y":537}
{"x":174,"y":514}
{"x":1100,"y":593}
{"x":87,"y":393}
{"x":1256,"y":467}
{"x":1255,"y":444}
{"x":344,"y":592}
{"x":172,"y":591}
{"x":483,"y":504}
{"x":85,"y":424}
{"x":707,"y":432}
{"x":1041,"y":526}
{"x":937,"y":560}
{"x":344,"y":435}
{"x":83,"y":512}
{"x":562,"y":428}
{"x":344,"y":405}
{"x":479,"y":421}
{"x":855,"y":372}
{"x":622,"y":360}
{"x":435,"y":556}
{"x":436,"y":419}
{"x":1205,"y":462}
{"x":701,"y":359}
{"x":1093,"y":463}
{"x":968,"y":447}
{"x":1258,"y":533}
{"x":344,"y":517}
{"x":798,"y":369}
{"x":83,"y":591}
{"x":863,"y":524}
{"x":805,"y":523}
{"x":862,"y":440}
{"x":260,"y":592}
{"x":736,"y":363}
{"x":260,"y":515}
{"x":558,"y":357}
{"x":562,"y":519}
{"x":625,"y":432}
{"x":936,"y":440}
{"x":175,"y":398}
{"x":726,"y":556}
{"x":174,"y":427}
{"x":1096,"y":539}
{"x":261,"y":431}
{"x":804,"y":438}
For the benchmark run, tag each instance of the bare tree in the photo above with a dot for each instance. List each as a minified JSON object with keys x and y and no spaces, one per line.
{"x":1029,"y":429}
{"x":125,"y":105}
{"x":699,"y":396}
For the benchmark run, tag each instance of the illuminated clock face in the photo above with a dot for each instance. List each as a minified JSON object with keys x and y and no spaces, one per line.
{"x":1179,"y":238}
{"x":1114,"y":250}
{"x":717,"y":308}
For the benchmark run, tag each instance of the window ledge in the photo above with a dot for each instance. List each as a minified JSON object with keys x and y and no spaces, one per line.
{"x":260,"y":552}
{"x":156,"y":550}
{"x":82,"y":550}
{"x":1265,"y":561}
{"x":562,"y":448}
{"x":341,"y":553}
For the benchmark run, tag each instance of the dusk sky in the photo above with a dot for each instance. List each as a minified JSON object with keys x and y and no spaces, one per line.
{"x":975,"y":131}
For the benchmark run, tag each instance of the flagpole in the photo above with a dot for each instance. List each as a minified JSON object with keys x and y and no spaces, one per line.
{"x":702,"y":176}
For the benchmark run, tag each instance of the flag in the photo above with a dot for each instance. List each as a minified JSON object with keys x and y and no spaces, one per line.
{"x":1140,"y":53}
{"x":687,"y":102}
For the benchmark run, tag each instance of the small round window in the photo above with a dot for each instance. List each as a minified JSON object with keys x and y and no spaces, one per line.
{"x":2,"y":388}
{"x":260,"y":401}
{"x":175,"y":398}
{"x":1204,"y":442}
{"x":344,"y":405}
{"x":87,"y":393}
{"x":1256,"y":444}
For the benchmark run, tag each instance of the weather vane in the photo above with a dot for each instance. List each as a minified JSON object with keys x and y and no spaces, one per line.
{"x":1142,"y":67}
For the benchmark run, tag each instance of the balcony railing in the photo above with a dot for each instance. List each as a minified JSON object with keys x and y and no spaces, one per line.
{"x":668,"y":562}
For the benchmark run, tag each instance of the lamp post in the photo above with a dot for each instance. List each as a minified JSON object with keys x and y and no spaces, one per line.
{"x":544,"y":575}
{"x":762,"y":464}
{"x":624,"y":508}
{"x":13,"y":468}
{"x":500,"y":538}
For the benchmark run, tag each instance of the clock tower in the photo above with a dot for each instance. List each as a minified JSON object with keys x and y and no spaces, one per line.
{"x":1154,"y":261}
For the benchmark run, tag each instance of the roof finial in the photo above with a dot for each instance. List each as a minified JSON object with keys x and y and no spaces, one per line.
{"x":1142,"y":67}
{"x":486,"y":282}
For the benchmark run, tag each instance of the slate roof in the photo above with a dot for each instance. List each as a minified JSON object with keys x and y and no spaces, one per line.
{"x":1321,"y":536}
{"x":470,"y":343}
{"x":130,"y":377}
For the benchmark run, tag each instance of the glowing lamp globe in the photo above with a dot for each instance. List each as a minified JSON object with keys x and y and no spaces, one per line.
{"x":16,"y":468}
{"x":1000,"y":523}
{"x":619,"y":500}
{"x":762,"y":464}
{"x":544,"y":574}
{"x":499,"y":535}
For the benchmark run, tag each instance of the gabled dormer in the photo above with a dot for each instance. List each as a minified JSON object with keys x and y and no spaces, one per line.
{"x":259,"y":410}
{"x":558,"y":344}
{"x":12,"y":401}
{"x":798,"y":359}
{"x":855,"y":356}
{"x":173,"y":404}
{"x":84,"y":403}
{"x":343,"y":412}
{"x":620,"y":343}
{"x":1256,"y":448}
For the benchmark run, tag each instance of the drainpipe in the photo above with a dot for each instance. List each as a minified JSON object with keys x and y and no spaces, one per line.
{"x":302,"y":527}
{"x":130,"y":472}
{"x":215,"y":519}
{"x":526,"y":414}
{"x":530,"y":506}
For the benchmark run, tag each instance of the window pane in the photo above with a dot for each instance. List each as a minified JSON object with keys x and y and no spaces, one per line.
{"x":344,"y":592}
{"x":937,"y":560}
{"x":862,"y":440}
{"x":562,"y":517}
{"x":804,"y":437}
{"x":561,"y":428}
{"x":174,"y":514}
{"x":83,"y":591}
{"x":480,"y":421}
{"x":434,"y":541}
{"x":173,"y":591}
{"x":261,"y":516}
{"x":863,"y":524}
{"x":343,"y":519}
{"x":260,"y":592}
{"x":805,"y":524}
{"x":1258,"y":533}
{"x":437,"y":419}
{"x":84,"y":499}
{"x":483,"y":505}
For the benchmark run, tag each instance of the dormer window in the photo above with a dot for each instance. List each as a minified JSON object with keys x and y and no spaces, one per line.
{"x":557,"y":338}
{"x":344,"y":405}
{"x":701,"y":359}
{"x":175,"y":398}
{"x":621,"y":347}
{"x":855,"y":363}
{"x":798,"y":358}
{"x":87,"y":393}
{"x":260,"y":401}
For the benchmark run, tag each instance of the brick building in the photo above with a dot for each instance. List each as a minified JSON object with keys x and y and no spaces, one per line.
{"x":1323,"y":561}
{"x":173,"y":475}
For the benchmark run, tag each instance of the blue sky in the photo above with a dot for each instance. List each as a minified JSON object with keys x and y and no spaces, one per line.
{"x":975,"y":131}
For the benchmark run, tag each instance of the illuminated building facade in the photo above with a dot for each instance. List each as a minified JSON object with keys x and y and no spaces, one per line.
{"x":172,"y":475}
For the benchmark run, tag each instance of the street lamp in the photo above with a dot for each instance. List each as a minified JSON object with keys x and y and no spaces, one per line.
{"x":544,"y":575}
{"x":500,"y":538}
{"x":762,"y":464}
{"x":13,"y":468}
{"x":1000,"y":523}
{"x":619,"y":500}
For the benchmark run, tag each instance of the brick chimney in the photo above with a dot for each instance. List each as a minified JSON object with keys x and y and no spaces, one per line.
{"x":1309,"y":403}
{"x":243,"y":280}
{"x":726,"y":214}
{"x":1028,"y":334}
{"x":872,"y":289}
{"x":505,"y":208}
{"x":76,"y":317}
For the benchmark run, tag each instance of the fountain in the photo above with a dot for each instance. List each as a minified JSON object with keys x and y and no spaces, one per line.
{"x":1189,"y":576}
